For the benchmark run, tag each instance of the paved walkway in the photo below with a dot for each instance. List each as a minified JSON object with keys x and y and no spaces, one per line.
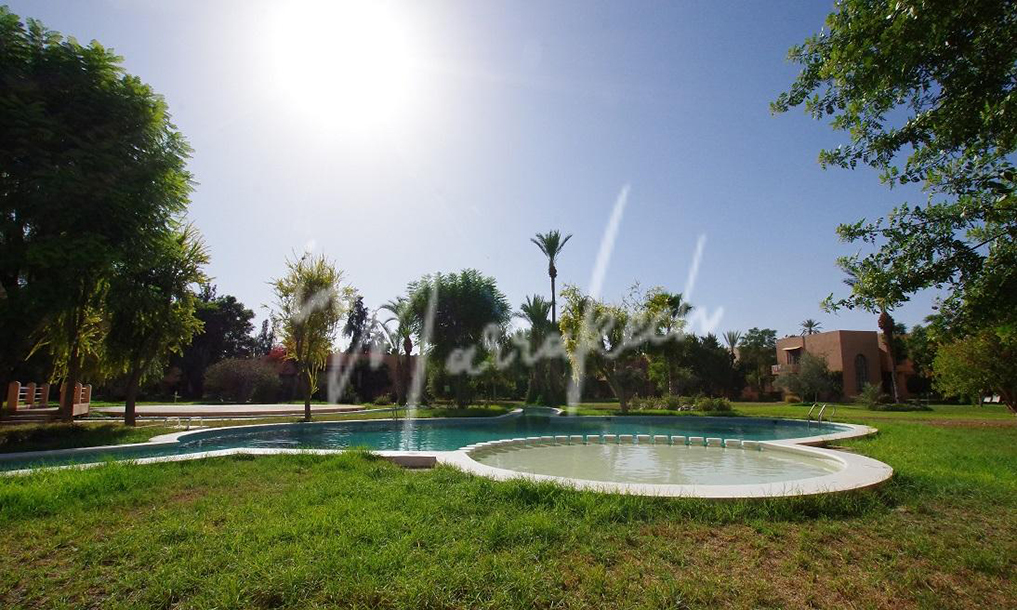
{"x":227,"y":410}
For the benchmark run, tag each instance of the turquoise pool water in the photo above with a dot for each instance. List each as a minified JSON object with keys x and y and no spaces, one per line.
{"x":440,"y":435}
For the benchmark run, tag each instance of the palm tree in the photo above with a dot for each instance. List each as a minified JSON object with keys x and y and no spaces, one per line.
{"x":732,"y":337}
{"x":885,"y":324}
{"x":551,"y":245}
{"x":534,"y":310}
{"x":402,"y":315}
{"x":810,"y":327}
{"x":667,"y":311}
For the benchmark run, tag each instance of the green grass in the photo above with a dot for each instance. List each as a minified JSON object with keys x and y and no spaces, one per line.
{"x":846,"y":412}
{"x":355,"y":531}
{"x":41,"y":437}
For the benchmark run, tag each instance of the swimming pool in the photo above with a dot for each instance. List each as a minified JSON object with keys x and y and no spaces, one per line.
{"x":660,"y":464}
{"x":423,"y":435}
{"x":676,"y":466}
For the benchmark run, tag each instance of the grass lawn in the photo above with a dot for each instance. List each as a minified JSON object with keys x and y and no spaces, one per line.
{"x":353,"y":531}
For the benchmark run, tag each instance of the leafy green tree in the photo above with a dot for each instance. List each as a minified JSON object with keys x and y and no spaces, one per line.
{"x":151,"y":308}
{"x":606,"y":340}
{"x":983,"y":364}
{"x":468,"y":302}
{"x":92,"y":169}
{"x":758,"y":353}
{"x":921,"y":349}
{"x":810,"y":327}
{"x":713,"y":368}
{"x":811,"y":379}
{"x":225,"y":333}
{"x":551,"y":244}
{"x":310,"y":303}
{"x":926,"y":95}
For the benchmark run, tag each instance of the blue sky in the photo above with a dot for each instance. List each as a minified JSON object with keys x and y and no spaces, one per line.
{"x":521,"y":117}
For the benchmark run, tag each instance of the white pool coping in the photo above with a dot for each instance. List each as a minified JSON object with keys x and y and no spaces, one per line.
{"x":857,"y":472}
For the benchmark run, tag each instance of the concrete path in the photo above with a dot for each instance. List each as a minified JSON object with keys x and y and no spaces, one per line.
{"x":226,"y":410}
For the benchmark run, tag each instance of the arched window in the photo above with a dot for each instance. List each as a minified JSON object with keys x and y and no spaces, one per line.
{"x":861,"y":372}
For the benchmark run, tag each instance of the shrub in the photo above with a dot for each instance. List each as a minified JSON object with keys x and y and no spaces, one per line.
{"x":871,"y":396}
{"x":911,"y":406}
{"x":705,"y":403}
{"x":239,"y":380}
{"x":383,"y":400}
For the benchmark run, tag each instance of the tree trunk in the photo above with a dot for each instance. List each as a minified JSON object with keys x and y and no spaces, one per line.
{"x":619,"y":392}
{"x":73,"y":370}
{"x":407,"y":366}
{"x":554,"y":306}
{"x":886,"y":325}
{"x":670,"y":377}
{"x":307,"y":397}
{"x":400,"y":387}
{"x":130,"y":402}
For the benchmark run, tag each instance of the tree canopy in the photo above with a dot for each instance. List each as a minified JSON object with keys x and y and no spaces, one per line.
{"x":757,"y":353}
{"x":607,"y":340}
{"x":151,"y":308}
{"x":810,"y":380}
{"x":311,"y":300}
{"x":467,"y":303}
{"x":925,"y":93}
{"x":977,"y":366}
{"x":92,"y":171}
{"x":225,"y":333}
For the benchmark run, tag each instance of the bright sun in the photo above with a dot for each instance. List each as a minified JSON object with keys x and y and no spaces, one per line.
{"x":342,"y":63}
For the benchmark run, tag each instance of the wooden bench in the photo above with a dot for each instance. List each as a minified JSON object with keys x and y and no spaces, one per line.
{"x":81,"y":398}
{"x":27,"y":396}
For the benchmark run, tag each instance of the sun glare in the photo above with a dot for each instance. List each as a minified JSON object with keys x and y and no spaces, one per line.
{"x":342,"y":63}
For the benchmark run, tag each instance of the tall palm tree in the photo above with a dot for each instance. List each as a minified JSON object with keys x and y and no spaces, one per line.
{"x":551,"y":244}
{"x":402,"y":316}
{"x":810,"y":327}
{"x":732,"y":337}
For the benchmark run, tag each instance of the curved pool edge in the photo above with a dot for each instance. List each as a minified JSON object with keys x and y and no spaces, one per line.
{"x":176,"y":438}
{"x":865,"y":472}
{"x":185,"y":435}
{"x":858,"y":472}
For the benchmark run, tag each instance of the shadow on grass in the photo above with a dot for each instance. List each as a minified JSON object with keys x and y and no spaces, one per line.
{"x":44,"y":437}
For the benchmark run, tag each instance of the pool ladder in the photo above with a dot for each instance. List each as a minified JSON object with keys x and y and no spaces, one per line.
{"x":819,"y":419}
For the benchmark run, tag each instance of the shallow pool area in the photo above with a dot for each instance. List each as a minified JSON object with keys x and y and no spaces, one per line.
{"x":660,"y":464}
